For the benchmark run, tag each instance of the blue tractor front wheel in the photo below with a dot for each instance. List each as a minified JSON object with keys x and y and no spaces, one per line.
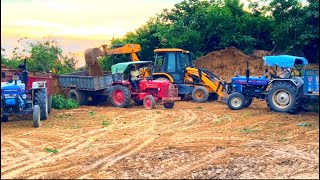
{"x":236,"y":101}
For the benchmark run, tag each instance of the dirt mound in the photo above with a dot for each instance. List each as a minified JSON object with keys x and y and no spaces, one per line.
{"x":226,"y":62}
{"x":91,"y":58}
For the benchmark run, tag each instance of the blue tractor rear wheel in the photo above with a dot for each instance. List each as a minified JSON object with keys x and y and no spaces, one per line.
{"x":283,"y":97}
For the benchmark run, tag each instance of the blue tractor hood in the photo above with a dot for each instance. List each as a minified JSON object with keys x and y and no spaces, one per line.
{"x":284,"y":61}
{"x":11,"y":88}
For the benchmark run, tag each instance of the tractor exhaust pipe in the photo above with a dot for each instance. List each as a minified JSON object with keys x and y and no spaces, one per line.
{"x":247,"y":72}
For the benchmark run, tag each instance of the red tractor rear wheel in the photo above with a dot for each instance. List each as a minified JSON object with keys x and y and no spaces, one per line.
{"x":120,"y":96}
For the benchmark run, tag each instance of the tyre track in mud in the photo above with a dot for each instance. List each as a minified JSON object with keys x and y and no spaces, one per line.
{"x":19,"y":168}
{"x":119,"y":154}
{"x":203,"y":161}
{"x":190,"y":122}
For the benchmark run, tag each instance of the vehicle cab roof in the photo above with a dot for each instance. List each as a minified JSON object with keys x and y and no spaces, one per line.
{"x":170,"y":50}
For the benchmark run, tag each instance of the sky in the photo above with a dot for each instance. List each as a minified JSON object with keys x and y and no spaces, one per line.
{"x":76,"y":24}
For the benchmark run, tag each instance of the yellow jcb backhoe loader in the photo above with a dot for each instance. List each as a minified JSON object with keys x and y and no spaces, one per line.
{"x":176,"y":66}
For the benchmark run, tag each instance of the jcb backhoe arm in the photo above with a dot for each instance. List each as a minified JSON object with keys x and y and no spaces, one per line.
{"x":125,"y":49}
{"x":208,"y":79}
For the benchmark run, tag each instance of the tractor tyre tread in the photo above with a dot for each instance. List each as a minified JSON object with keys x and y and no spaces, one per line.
{"x":247,"y":102}
{"x":205,"y":96}
{"x":153,"y":102}
{"x":81,"y":98}
{"x":295,"y":94}
{"x":40,"y":98}
{"x":232,"y":95}
{"x":127,"y":96}
{"x":36,"y":116}
{"x":168,"y":105}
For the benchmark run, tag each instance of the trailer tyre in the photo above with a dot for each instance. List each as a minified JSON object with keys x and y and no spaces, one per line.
{"x":120,"y":96}
{"x":200,"y":94}
{"x":149,"y":102}
{"x":283,"y":97}
{"x":236,"y":101}
{"x":4,"y":118}
{"x":78,"y":96}
{"x":36,"y":116}
{"x":41,"y":99}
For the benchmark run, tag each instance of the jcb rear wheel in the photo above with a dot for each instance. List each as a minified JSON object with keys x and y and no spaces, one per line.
{"x":200,"y":94}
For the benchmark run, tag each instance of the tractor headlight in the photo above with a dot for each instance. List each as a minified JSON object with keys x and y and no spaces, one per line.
{"x":24,"y":96}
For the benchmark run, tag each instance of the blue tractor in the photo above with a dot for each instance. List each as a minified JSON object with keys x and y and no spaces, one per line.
{"x":288,"y":93}
{"x":17,"y":100}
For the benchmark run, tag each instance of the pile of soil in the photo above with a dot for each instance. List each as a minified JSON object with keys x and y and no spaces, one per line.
{"x":226,"y":62}
{"x":91,"y":58}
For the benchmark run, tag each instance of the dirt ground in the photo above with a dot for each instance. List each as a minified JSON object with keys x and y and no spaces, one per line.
{"x":191,"y":140}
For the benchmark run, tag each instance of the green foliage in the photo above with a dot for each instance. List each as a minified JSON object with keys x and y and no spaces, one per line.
{"x":46,"y":56}
{"x":60,"y":102}
{"x":49,"y":150}
{"x":106,"y":123}
{"x":91,"y":113}
{"x":201,"y":26}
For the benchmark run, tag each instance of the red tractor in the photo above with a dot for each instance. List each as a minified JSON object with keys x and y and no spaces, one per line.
{"x":144,"y":91}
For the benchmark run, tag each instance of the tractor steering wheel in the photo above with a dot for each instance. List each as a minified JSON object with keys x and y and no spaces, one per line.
{"x":143,"y":72}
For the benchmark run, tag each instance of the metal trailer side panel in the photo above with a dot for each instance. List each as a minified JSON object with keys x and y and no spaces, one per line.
{"x":81,"y":81}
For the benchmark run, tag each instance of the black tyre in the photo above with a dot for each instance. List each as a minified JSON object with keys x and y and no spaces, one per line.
{"x":120,"y":96}
{"x":138,"y":101}
{"x":78,"y":96}
{"x":235,"y":101}
{"x":4,"y":118}
{"x":49,"y":104}
{"x":168,"y":105}
{"x":213,"y":96}
{"x":247,"y":102}
{"x":200,"y":94}
{"x":182,"y":96}
{"x":149,"y":102}
{"x":36,"y":116}
{"x":41,"y":99}
{"x":283,"y":97}
{"x":96,"y":99}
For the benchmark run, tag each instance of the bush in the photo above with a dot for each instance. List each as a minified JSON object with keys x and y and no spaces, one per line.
{"x":60,"y":102}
